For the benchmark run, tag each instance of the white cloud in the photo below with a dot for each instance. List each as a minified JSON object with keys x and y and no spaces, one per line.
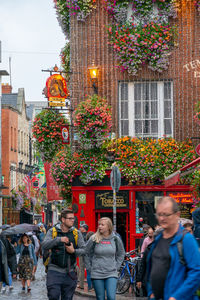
{"x":31,"y":36}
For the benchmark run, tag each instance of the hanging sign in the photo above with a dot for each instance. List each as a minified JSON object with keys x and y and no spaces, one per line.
{"x":65,"y":134}
{"x":57,"y":90}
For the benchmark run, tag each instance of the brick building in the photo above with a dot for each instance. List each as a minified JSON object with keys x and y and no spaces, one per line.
{"x":175,"y":90}
{"x":15,"y":146}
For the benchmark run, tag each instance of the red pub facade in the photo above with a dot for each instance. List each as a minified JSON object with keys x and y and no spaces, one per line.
{"x":91,"y":202}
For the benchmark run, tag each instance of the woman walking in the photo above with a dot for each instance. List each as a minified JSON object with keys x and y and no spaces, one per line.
{"x":26,"y":262}
{"x":106,"y":253}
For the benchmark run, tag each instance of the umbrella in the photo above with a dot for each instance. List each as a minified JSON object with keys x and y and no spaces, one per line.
{"x":184,"y":221}
{"x":5,"y":226}
{"x":21,"y":228}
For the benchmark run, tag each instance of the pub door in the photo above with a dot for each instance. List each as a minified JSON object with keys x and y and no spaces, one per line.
{"x":122,"y":224}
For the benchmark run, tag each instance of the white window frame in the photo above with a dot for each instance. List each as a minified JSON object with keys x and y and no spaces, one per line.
{"x":131,"y":109}
{"x":13,"y":176}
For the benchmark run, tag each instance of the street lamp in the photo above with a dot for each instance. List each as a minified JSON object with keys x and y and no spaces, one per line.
{"x":94,"y":72}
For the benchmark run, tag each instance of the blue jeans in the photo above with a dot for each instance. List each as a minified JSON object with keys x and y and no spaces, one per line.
{"x":89,"y":281}
{"x":61,"y":284}
{"x":101,"y":285}
{"x":9,"y":278}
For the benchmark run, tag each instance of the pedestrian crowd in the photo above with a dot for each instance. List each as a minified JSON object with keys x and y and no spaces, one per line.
{"x":169,"y":267}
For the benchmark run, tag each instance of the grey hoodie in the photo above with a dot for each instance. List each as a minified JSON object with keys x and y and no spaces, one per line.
{"x":104,"y":258}
{"x":49,"y":243}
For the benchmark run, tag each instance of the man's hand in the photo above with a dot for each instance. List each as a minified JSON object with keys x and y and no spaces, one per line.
{"x":70,"y":249}
{"x":152,"y":296}
{"x":64,"y":239}
{"x":172,"y":298}
{"x":139,"y":285}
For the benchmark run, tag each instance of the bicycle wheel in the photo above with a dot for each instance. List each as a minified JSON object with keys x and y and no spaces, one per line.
{"x":123,"y":282}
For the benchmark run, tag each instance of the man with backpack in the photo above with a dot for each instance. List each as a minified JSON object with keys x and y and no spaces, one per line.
{"x":173,"y":262}
{"x":65,"y":243}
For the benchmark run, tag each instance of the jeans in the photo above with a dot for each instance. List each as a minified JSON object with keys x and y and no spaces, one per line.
{"x":101,"y":285}
{"x":9,"y":278}
{"x":89,"y":281}
{"x":61,"y":284}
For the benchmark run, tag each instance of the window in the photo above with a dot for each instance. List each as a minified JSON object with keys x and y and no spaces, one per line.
{"x":12,"y":142}
{"x":13,"y":176}
{"x":146,"y":109}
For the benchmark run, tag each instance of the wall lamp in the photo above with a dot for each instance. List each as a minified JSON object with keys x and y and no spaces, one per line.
{"x":94,"y":72}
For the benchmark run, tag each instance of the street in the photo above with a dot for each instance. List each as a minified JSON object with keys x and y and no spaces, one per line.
{"x":38,"y":288}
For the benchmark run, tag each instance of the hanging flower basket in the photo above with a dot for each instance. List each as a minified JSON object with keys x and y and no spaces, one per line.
{"x":47,"y":132}
{"x":93,"y":120}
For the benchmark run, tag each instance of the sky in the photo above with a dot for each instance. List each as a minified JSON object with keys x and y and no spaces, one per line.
{"x":31,"y":36}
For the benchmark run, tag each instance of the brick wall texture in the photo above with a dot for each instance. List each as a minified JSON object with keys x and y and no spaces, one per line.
{"x":89,"y":42}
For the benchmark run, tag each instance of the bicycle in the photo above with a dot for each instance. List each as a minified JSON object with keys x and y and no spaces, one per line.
{"x":127,"y":273}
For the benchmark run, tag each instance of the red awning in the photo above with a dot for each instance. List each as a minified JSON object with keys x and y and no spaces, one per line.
{"x":174,"y":177}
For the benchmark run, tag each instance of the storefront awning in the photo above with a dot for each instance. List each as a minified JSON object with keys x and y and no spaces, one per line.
{"x":174,"y":177}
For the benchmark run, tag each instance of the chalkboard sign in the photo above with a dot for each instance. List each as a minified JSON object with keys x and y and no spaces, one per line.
{"x":185,"y":211}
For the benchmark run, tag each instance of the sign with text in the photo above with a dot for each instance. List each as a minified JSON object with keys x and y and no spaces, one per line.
{"x":56,"y":90}
{"x":181,"y":197}
{"x":65,"y":134}
{"x":104,"y":200}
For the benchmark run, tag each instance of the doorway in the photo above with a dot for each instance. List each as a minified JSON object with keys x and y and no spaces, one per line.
{"x":122,"y":224}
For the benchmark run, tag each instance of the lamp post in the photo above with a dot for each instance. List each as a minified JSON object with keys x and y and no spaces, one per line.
{"x":94,"y":72}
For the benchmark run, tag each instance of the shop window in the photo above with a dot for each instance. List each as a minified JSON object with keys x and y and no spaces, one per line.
{"x":145,"y":109}
{"x":185,"y":201}
{"x":146,"y":208}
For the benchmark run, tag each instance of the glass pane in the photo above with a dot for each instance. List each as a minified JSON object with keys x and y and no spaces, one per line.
{"x":168,"y":127}
{"x":138,"y":110}
{"x":167,"y":90}
{"x":154,"y":109}
{"x":154,"y":95}
{"x":124,"y":91}
{"x":124,"y":110}
{"x":154,"y":127}
{"x":146,"y":125}
{"x":137,"y":91}
{"x":124,"y":127}
{"x":145,"y":91}
{"x":145,"y":110}
{"x":167,"y":109}
{"x":138,"y":127}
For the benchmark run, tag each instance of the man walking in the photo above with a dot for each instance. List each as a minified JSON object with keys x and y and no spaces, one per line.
{"x":65,"y":243}
{"x":170,"y":276}
{"x":83,"y":230}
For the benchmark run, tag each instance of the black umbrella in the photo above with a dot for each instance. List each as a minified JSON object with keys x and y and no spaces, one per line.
{"x":19,"y":229}
{"x":5,"y":226}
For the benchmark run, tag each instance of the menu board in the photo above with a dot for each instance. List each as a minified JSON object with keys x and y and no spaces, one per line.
{"x":185,"y":210}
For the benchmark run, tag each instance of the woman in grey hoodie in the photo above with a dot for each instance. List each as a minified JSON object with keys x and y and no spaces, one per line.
{"x":104,"y":256}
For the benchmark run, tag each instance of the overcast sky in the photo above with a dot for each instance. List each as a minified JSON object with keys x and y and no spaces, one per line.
{"x":31,"y":36}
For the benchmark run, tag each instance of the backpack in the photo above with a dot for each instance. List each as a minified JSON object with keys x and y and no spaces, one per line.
{"x":47,"y":253}
{"x":180,"y":248}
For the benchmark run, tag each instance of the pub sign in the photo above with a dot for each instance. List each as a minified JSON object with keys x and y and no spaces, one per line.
{"x":57,"y":90}
{"x":104,"y":200}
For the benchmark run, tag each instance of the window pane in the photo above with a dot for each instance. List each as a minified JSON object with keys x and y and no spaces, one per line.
{"x":137,"y":91}
{"x":145,"y":110}
{"x":124,"y":127}
{"x":167,"y":109}
{"x":154,"y":109}
{"x":138,"y":127}
{"x":124,"y":91}
{"x":167,"y":90}
{"x":138,"y":114}
{"x":168,"y":127}
{"x":146,"y":127}
{"x":154,"y":95}
{"x":145,"y":91}
{"x":124,"y":110}
{"x":154,"y":127}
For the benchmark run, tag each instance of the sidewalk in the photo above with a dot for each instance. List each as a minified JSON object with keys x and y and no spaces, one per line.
{"x":84,"y":292}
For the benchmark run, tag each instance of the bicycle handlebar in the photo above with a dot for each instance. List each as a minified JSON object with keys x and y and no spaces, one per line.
{"x":133,"y":252}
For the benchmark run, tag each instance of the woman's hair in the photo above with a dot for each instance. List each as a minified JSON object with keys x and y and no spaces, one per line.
{"x":21,"y":239}
{"x":98,"y":236}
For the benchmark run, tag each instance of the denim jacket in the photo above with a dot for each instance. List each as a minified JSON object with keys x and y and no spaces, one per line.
{"x":31,"y":252}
